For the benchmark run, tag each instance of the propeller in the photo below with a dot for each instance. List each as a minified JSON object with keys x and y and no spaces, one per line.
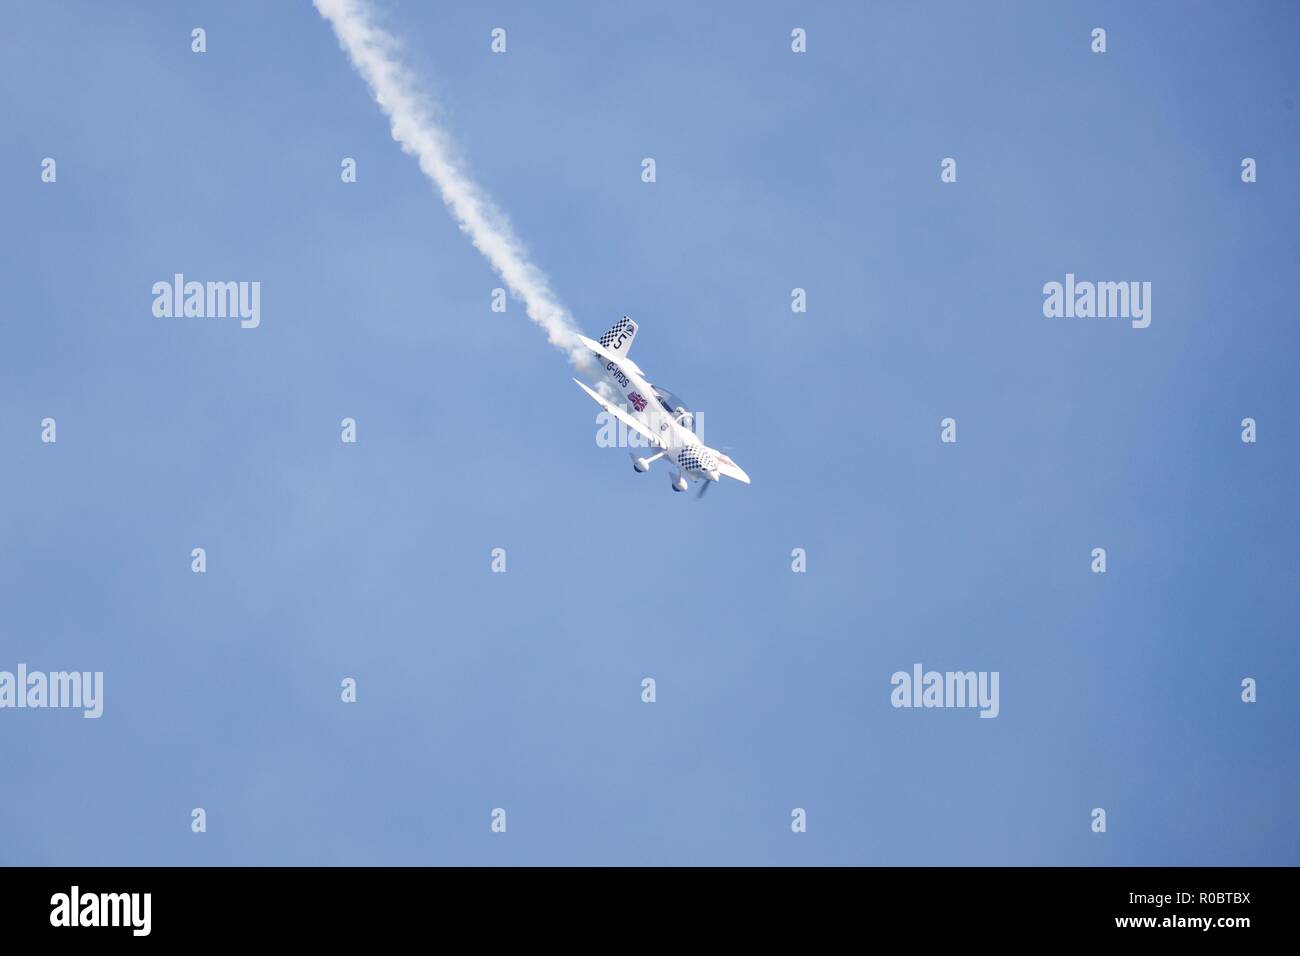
{"x":703,"y":488}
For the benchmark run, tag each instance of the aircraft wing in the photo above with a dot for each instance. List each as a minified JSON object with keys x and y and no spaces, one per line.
{"x":631,"y":422}
{"x":729,"y":467}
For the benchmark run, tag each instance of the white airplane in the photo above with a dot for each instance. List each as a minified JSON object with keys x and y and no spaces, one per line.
{"x":657,"y":414}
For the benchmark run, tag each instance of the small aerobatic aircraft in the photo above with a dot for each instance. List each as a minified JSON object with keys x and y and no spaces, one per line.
{"x":655,"y":413}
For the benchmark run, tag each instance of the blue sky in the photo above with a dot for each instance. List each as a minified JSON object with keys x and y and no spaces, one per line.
{"x":522,"y":690}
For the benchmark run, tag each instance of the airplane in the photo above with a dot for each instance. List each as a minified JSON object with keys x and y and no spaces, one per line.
{"x":658,"y":415}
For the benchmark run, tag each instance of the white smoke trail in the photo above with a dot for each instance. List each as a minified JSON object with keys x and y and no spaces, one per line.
{"x":373,"y":53}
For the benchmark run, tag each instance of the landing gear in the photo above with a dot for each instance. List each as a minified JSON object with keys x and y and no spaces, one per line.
{"x":642,"y":465}
{"x":679,"y":483}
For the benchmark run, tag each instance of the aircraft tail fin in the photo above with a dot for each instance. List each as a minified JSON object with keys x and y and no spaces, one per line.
{"x":619,"y":338}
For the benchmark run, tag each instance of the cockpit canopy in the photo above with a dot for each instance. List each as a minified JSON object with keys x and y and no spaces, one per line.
{"x":670,"y":402}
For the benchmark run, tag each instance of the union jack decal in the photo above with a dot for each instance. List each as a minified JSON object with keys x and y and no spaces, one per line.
{"x":637,"y":401}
